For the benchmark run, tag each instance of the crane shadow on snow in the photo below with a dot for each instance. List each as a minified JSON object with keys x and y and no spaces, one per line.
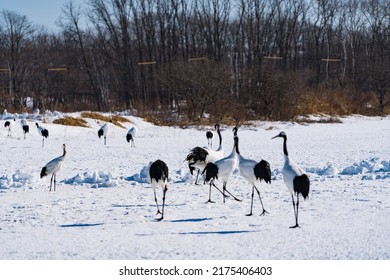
{"x":194,"y":220}
{"x":80,"y":225}
{"x":128,"y":205}
{"x":144,"y":205}
{"x":222,"y":232}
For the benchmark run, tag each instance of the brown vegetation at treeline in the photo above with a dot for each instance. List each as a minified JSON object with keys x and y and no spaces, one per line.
{"x":180,"y":62}
{"x":80,"y":121}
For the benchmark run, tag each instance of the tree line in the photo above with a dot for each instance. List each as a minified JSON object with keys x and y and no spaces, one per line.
{"x":187,"y":60}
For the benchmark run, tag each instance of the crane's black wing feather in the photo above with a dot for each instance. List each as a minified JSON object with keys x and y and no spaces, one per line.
{"x":263,"y":171}
{"x":302,"y":185}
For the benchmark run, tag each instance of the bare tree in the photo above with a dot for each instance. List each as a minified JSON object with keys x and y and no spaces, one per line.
{"x":112,"y":21}
{"x":15,"y":38}
{"x":70,"y":23}
{"x":200,"y":85}
{"x":212,"y":18}
{"x":377,"y":13}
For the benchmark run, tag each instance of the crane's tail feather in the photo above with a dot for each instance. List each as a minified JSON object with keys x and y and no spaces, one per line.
{"x":45,"y":133}
{"x":129,"y":137}
{"x":263,"y":171}
{"x":43,"y":172}
{"x":211,"y":171}
{"x":197,"y":154}
{"x":302,"y":185}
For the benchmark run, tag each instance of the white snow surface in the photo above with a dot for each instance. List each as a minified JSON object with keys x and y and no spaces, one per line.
{"x":104,"y":208}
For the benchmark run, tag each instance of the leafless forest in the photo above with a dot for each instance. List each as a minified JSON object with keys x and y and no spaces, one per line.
{"x":187,"y":61}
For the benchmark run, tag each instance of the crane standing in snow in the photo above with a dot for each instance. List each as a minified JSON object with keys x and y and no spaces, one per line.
{"x":43,"y":132}
{"x":52,"y":167}
{"x":252,"y":171}
{"x":294,"y":177}
{"x":209,"y":136}
{"x":158,"y":177}
{"x":199,"y":157}
{"x":25,"y":127}
{"x":131,"y":135}
{"x":221,"y":170}
{"x":9,"y":124}
{"x":103,"y":131}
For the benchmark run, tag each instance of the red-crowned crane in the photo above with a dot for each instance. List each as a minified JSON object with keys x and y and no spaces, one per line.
{"x":103,"y":131}
{"x":198,"y":157}
{"x":253,"y":171}
{"x":9,"y":124}
{"x":294,"y":177}
{"x":25,"y":127}
{"x":52,"y":167}
{"x":43,"y":132}
{"x":131,"y":135}
{"x":209,"y":136}
{"x":158,"y":177}
{"x":222,"y":170}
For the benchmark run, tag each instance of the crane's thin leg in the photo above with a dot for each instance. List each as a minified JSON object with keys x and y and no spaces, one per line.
{"x":253,"y":194}
{"x":55,"y":182}
{"x":162,"y":213}
{"x":296,"y":218}
{"x":104,"y":140}
{"x":51,"y":182}
{"x":155,"y":199}
{"x":225,"y":190}
{"x":212,"y":184}
{"x":295,"y":212}
{"x":43,"y":141}
{"x":264,"y":211}
{"x":235,"y":198}
{"x":197,"y":176}
{"x":218,"y":189}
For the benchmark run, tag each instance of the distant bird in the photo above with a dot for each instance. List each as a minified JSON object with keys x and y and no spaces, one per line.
{"x":52,"y":167}
{"x":209,"y":136}
{"x":221,"y":170}
{"x":131,"y":135}
{"x":252,"y":171}
{"x":25,"y":126}
{"x":294,"y":177}
{"x":198,"y":157}
{"x":103,"y":131}
{"x":43,"y":132}
{"x":158,"y":177}
{"x":9,"y":124}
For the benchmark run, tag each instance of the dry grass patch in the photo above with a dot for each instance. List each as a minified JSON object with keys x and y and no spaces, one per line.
{"x":95,"y":116}
{"x":119,"y":119}
{"x":71,"y":121}
{"x":116,"y":120}
{"x":172,"y":119}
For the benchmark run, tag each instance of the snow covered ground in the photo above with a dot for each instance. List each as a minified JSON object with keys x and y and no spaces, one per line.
{"x":104,"y":208}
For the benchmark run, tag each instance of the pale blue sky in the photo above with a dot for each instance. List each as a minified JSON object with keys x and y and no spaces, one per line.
{"x":41,"y":12}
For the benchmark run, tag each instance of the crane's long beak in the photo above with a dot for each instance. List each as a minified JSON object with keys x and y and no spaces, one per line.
{"x":275,"y":136}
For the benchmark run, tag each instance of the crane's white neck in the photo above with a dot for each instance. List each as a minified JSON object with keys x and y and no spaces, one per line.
{"x":235,"y":150}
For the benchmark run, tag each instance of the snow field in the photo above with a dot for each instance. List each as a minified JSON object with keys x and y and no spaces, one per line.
{"x":104,"y":208}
